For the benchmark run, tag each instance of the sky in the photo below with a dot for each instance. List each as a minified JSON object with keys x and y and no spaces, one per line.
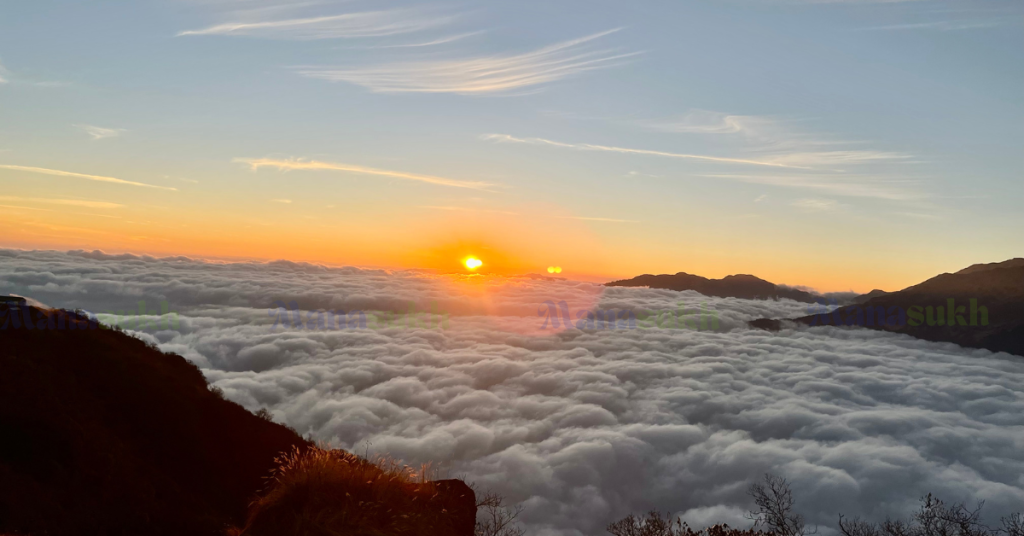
{"x":842,"y":145}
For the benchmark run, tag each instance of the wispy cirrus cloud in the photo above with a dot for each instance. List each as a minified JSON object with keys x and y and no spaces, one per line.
{"x":814,"y":159}
{"x":595,"y":218}
{"x":21,"y":207}
{"x":847,"y":1}
{"x":708,"y":122}
{"x":313,"y":165}
{"x":99,"y":133}
{"x":815,"y":205}
{"x":433,"y":42}
{"x":941,"y":25}
{"x":775,"y":140}
{"x":66,"y":202}
{"x":849,"y":185}
{"x":480,"y":75}
{"x":468,"y":209}
{"x":645,"y":152}
{"x":345,"y":25}
{"x":99,"y":178}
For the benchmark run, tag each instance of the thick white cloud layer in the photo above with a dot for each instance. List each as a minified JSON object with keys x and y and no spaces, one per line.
{"x":582,"y":426}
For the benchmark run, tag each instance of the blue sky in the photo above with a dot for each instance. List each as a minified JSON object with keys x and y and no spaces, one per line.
{"x":823,"y":142}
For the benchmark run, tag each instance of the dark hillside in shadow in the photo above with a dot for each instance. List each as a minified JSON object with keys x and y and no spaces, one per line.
{"x":102,"y":434}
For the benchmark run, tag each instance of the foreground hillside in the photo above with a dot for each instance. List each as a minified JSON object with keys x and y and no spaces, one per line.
{"x":101,"y":434}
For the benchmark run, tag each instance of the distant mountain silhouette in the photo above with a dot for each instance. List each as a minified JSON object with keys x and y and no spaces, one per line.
{"x":978,"y":307}
{"x":102,"y":434}
{"x":732,"y":286}
{"x":865,"y":297}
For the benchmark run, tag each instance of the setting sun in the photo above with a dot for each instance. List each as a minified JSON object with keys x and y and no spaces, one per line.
{"x":472,"y":263}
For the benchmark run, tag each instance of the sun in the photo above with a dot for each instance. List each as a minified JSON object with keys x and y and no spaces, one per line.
{"x":472,"y":263}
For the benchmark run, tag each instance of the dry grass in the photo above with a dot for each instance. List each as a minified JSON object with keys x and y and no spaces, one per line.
{"x":317,"y":491}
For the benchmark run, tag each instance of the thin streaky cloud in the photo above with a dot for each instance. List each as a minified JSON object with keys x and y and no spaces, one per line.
{"x":836,"y":184}
{"x":848,"y":1}
{"x":481,"y":75}
{"x":588,"y":218}
{"x":467,"y":209}
{"x":68,"y":202}
{"x":813,"y":159}
{"x":773,"y":140}
{"x":59,"y":173}
{"x":439,"y":41}
{"x":646,"y":152}
{"x":313,"y":165}
{"x":917,"y":215}
{"x":3,"y":74}
{"x":18,"y":207}
{"x":346,"y":25}
{"x":945,"y":26}
{"x":815,"y":205}
{"x":284,"y":201}
{"x":708,"y":122}
{"x":99,"y":133}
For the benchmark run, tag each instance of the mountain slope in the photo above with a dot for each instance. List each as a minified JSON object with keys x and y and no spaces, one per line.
{"x":979,"y":307}
{"x":102,"y":434}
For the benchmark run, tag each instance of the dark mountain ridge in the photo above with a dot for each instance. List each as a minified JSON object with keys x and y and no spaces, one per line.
{"x":732,"y":286}
{"x":978,"y":307}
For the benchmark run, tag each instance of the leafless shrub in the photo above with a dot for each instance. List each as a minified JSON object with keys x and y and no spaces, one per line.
{"x":496,"y":519}
{"x":774,"y":500}
{"x":934,"y":518}
{"x":775,"y":512}
{"x":655,"y":525}
{"x":1013,"y":525}
{"x":652,"y":525}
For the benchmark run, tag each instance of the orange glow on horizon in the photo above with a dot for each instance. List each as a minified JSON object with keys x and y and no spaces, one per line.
{"x":512,"y":244}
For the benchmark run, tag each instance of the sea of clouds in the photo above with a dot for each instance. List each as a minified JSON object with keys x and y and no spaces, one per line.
{"x":580,"y":426}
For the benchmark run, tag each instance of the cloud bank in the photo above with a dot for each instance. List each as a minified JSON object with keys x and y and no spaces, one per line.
{"x":583,"y":426}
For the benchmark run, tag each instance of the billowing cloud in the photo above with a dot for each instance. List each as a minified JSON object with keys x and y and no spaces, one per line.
{"x":581,"y":425}
{"x":479,"y":75}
